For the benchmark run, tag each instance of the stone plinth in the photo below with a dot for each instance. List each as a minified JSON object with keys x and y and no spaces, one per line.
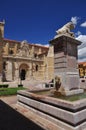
{"x":67,"y":115}
{"x":65,"y":61}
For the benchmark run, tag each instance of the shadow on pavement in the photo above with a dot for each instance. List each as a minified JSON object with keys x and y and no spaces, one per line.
{"x":13,"y":120}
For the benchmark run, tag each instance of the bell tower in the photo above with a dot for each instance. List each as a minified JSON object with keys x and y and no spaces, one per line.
{"x":1,"y":47}
{"x":2,"y":29}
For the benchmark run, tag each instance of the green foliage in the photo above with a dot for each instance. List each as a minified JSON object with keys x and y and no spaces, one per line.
{"x":9,"y":91}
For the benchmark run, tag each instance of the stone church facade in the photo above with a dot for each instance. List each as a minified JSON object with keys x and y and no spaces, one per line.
{"x":22,"y":60}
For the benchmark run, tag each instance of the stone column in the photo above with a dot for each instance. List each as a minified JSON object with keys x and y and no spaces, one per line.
{"x":65,"y":61}
{"x":30,"y":69}
{"x":9,"y":71}
{"x":16,"y":77}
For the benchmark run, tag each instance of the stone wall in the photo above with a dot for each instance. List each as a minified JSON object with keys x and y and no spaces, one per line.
{"x":29,"y":54}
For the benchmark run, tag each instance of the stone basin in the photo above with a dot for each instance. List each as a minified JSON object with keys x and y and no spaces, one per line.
{"x":67,"y":115}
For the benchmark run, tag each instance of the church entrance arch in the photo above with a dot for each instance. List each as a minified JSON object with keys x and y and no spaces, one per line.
{"x":23,"y":71}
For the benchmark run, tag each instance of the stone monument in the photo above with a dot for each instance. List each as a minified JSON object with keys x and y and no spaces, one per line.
{"x":65,"y":115}
{"x":65,"y":59}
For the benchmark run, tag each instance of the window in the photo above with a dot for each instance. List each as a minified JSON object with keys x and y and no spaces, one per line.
{"x":36,"y":67}
{"x":11,"y":52}
{"x":4,"y":65}
{"x":35,"y":55}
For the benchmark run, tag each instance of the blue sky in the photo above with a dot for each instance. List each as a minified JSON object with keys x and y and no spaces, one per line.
{"x":37,"y":20}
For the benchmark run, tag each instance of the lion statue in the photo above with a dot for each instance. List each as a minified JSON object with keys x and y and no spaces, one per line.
{"x":66,"y":29}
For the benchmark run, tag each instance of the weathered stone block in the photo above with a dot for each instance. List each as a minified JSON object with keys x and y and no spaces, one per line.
{"x":65,"y":60}
{"x":65,"y":114}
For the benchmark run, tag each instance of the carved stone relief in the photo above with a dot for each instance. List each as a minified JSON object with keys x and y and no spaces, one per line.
{"x":66,"y":29}
{"x":23,"y":50}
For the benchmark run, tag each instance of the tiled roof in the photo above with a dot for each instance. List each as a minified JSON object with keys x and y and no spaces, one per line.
{"x":81,"y":63}
{"x":11,"y":40}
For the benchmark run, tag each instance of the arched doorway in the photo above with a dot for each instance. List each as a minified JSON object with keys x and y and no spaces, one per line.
{"x":23,"y":74}
{"x":23,"y":71}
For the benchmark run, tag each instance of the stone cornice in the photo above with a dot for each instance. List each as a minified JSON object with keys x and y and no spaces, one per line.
{"x":22,"y":58}
{"x":64,"y":37}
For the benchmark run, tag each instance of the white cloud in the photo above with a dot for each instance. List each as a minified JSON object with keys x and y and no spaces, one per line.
{"x":38,"y":44}
{"x":46,"y":45}
{"x":82,"y":38}
{"x":75,"y":20}
{"x":78,"y":33}
{"x":83,"y":24}
{"x":82,"y":48}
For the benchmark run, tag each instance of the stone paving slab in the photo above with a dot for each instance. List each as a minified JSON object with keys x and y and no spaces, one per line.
{"x":10,"y":119}
{"x":47,"y":125}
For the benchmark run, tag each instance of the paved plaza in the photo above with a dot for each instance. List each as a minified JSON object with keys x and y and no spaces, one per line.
{"x":13,"y":120}
{"x":43,"y":124}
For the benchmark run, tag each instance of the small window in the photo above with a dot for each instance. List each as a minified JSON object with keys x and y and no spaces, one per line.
{"x":35,"y":55}
{"x":36,"y":67}
{"x":4,"y":65}
{"x":11,"y":52}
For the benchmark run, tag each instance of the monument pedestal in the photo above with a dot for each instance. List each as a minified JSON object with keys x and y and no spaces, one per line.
{"x":65,"y":62}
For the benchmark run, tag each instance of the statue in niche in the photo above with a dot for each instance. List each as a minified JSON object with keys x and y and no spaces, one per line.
{"x":66,"y":29}
{"x":24,"y":49}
